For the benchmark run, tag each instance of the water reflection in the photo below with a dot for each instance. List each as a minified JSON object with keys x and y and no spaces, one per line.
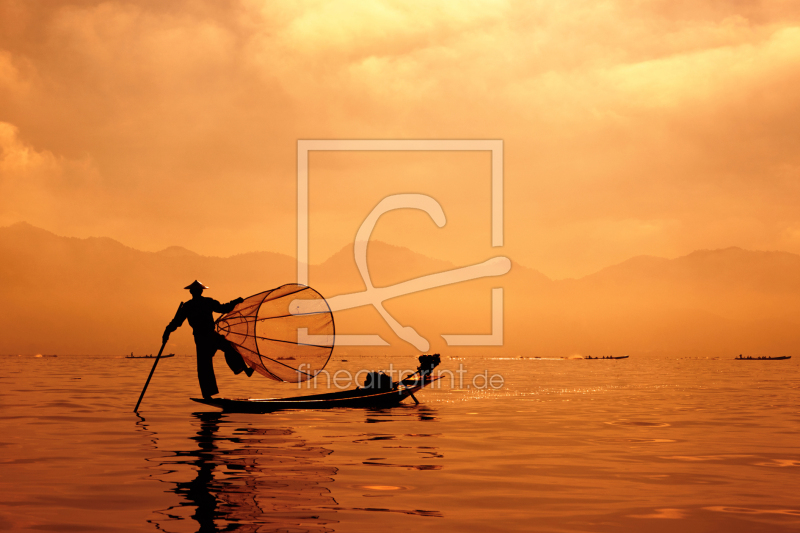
{"x":423,"y":413}
{"x":248,"y":479}
{"x":252,"y":479}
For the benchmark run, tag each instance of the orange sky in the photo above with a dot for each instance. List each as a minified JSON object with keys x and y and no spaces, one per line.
{"x":653,"y":127}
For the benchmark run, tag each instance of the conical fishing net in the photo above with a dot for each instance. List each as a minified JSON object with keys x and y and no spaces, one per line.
{"x":286,"y":334}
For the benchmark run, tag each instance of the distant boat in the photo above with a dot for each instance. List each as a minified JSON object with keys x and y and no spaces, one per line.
{"x":608,"y":357}
{"x":131,"y":356}
{"x":764,"y":358}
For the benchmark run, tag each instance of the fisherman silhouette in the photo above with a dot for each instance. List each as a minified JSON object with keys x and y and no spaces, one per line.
{"x":199,"y":311}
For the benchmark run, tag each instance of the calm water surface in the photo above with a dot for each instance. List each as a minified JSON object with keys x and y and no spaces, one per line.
{"x":644,"y":444}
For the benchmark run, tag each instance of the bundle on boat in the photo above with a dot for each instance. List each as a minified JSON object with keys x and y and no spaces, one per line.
{"x":427,"y":363}
{"x":379,"y":381}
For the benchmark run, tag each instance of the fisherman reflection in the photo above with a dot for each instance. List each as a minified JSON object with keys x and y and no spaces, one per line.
{"x":255,"y":480}
{"x":197,"y":491}
{"x":199,"y":311}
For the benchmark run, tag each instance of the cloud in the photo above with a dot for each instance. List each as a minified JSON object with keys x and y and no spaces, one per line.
{"x":39,"y":186}
{"x":616,"y":115}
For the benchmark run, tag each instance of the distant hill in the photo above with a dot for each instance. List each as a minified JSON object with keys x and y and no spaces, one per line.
{"x":97,"y":296}
{"x":708,"y":302}
{"x":90,"y":296}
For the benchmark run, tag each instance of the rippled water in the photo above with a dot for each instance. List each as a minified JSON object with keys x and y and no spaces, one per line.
{"x":644,"y":444}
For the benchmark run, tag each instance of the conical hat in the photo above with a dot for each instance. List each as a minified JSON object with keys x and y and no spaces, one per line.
{"x":195,"y":285}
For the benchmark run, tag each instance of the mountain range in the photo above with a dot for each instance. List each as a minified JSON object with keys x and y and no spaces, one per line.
{"x":64,"y":295}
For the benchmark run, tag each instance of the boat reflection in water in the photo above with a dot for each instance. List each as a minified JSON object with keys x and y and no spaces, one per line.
{"x":252,"y":480}
{"x":240,"y":477}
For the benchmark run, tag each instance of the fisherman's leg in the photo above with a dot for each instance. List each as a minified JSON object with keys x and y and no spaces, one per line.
{"x":235,"y":361}
{"x":205,"y":369}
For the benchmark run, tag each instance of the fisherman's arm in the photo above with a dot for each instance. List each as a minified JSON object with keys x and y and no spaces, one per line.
{"x":228,"y":307}
{"x":176,"y":322}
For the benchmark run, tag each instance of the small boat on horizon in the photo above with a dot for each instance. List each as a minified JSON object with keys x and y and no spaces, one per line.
{"x":762,"y":358}
{"x":151,"y":356}
{"x":607,"y":357}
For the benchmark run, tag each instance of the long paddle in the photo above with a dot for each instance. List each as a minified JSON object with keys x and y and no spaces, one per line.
{"x":136,"y":409}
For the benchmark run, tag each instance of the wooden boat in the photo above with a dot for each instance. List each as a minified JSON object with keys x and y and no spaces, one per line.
{"x":751,"y":358}
{"x":360,"y":397}
{"x":148,"y":356}
{"x":609,"y":357}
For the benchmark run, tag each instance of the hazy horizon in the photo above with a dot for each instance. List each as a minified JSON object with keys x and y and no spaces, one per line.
{"x":348,"y":247}
{"x":72,"y":295}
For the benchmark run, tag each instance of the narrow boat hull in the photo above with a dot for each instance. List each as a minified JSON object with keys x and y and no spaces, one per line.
{"x":359,"y":398}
